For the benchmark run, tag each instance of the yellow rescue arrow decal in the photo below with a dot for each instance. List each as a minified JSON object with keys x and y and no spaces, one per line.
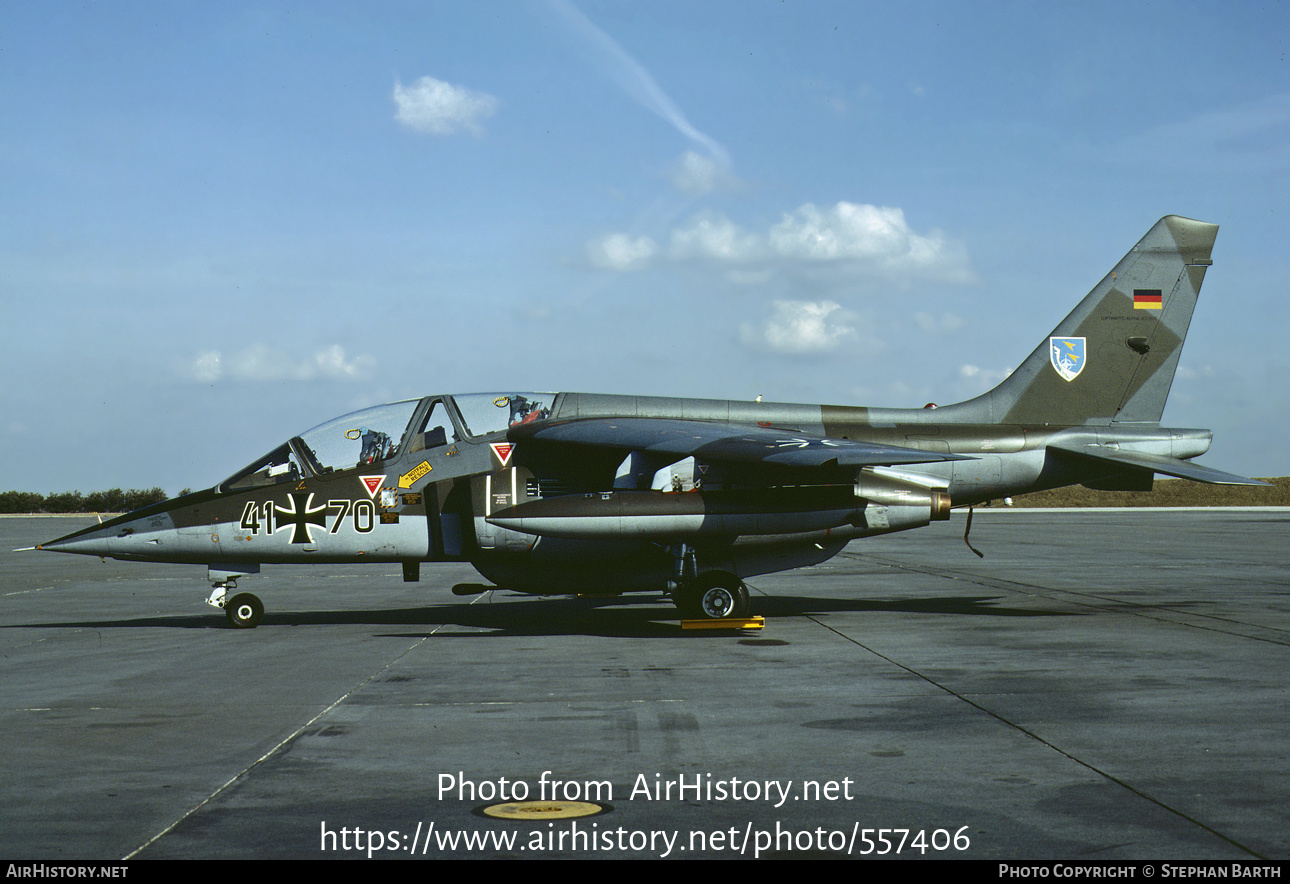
{"x":410,"y":477}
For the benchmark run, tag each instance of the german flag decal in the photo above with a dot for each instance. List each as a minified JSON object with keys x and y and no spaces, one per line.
{"x":1147,"y":299}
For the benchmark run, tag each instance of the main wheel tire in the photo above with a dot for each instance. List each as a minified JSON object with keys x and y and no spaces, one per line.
{"x":715,"y":595}
{"x":244,"y":611}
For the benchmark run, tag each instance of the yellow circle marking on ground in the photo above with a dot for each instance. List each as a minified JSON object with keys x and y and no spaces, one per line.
{"x":542,"y":810}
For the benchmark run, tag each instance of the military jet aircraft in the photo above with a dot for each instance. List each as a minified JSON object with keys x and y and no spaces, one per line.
{"x":558,"y":493}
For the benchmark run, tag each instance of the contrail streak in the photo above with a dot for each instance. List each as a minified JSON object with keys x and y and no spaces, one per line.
{"x":635,"y":80}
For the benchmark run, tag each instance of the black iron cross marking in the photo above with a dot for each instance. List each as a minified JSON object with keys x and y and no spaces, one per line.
{"x":301,"y":516}
{"x":807,"y":443}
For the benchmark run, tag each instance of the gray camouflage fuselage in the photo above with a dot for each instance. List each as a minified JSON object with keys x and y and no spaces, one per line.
{"x":578,"y":492}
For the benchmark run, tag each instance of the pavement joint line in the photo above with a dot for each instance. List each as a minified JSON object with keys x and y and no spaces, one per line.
{"x":1037,"y":738}
{"x":285,"y":741}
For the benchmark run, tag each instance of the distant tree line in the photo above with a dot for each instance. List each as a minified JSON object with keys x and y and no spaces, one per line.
{"x":113,"y":501}
{"x":1167,"y":492}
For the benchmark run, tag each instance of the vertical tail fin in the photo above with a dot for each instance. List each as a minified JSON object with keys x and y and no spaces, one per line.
{"x":1113,"y":358}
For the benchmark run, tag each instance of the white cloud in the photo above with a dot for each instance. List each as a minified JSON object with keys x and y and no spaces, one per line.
{"x":716,"y":237}
{"x":1190,"y":374}
{"x":206,"y":367}
{"x":982,"y":379}
{"x":801,"y":327}
{"x":860,"y":239}
{"x":618,"y":251}
{"x":331,"y":363}
{"x":697,"y":175}
{"x":260,"y":362}
{"x":850,"y":231}
{"x":440,"y":108}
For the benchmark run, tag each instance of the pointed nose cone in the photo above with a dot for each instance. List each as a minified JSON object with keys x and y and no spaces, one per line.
{"x":182,"y":529}
{"x":134,"y":535}
{"x":97,"y":540}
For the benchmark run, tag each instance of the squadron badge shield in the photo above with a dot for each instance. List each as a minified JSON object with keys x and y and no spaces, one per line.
{"x":1067,"y":355}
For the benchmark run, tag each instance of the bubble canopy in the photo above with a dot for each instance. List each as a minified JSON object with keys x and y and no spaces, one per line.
{"x":366,"y":438}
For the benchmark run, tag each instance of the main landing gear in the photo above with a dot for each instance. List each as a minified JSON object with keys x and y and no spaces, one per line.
{"x":713,"y":595}
{"x":705,"y":595}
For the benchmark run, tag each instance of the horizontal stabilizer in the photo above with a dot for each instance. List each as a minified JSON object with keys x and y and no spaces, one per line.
{"x":1156,"y":463}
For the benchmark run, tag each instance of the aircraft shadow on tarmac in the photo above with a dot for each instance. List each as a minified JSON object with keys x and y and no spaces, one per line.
{"x":977,"y":605}
{"x":621,"y":617}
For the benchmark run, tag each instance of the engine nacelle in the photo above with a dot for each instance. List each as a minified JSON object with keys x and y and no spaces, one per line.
{"x":895,"y":500}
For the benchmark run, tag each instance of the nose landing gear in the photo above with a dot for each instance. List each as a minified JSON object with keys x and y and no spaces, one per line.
{"x":243,"y":610}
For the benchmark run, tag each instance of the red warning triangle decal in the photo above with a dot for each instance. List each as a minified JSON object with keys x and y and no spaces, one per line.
{"x":503,"y":451}
{"x":372,"y":484}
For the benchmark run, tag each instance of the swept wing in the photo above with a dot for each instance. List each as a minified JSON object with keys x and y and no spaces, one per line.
{"x":718,"y":441}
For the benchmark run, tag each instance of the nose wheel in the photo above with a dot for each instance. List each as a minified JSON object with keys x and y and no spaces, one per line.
{"x":244,"y":611}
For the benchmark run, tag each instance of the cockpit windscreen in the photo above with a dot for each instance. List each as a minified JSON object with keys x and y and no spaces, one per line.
{"x":362,"y":438}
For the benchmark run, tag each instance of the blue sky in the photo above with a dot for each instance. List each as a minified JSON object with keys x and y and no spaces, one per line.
{"x":224,"y":223}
